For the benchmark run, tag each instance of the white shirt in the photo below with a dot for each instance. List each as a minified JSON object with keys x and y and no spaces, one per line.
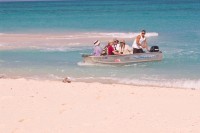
{"x":141,"y":41}
{"x":125,"y":50}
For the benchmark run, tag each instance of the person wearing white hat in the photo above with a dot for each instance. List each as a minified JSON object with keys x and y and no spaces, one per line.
{"x":97,"y":49}
{"x":123,"y":48}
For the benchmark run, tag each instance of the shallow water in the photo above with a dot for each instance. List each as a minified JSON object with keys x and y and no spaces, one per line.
{"x":45,"y":40}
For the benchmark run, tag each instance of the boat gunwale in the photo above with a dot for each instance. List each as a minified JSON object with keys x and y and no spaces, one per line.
{"x":121,"y":63}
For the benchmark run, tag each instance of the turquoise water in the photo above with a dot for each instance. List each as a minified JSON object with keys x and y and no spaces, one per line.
{"x":175,"y":22}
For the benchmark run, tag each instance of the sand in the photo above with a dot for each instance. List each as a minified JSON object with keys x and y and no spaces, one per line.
{"x":55,"y":40}
{"x":31,"y":106}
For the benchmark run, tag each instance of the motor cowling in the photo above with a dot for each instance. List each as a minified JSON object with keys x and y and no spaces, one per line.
{"x":154,"y":49}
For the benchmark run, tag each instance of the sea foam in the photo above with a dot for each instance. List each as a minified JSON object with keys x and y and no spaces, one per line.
{"x":171,"y":83}
{"x":176,"y":83}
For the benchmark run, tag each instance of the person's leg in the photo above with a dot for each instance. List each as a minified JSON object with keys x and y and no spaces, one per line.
{"x":140,"y":51}
{"x":135,"y":50}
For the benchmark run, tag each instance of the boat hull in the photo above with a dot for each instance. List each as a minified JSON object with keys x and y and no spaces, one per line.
{"x":123,"y":59}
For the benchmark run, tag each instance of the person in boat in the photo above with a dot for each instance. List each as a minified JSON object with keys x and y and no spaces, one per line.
{"x":116,"y":43}
{"x":140,"y":43}
{"x":123,"y":48}
{"x":97,"y":49}
{"x":105,"y":50}
{"x":110,"y":49}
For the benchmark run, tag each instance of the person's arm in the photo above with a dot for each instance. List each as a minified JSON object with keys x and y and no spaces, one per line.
{"x":116,"y":53}
{"x":145,"y":45}
{"x":138,"y":40}
{"x":128,"y":48}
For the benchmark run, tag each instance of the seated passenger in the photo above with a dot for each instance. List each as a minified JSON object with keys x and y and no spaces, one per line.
{"x":110,"y":49}
{"x":116,"y":43}
{"x":105,"y":50}
{"x":97,"y":49}
{"x":123,"y":48}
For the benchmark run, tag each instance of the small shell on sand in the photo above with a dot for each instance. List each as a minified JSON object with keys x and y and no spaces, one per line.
{"x":2,"y":77}
{"x":67,"y":80}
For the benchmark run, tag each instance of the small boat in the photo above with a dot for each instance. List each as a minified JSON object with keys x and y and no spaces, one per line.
{"x":153,"y":55}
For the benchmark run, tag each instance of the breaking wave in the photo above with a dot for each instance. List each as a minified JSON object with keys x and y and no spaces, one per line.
{"x":172,"y":83}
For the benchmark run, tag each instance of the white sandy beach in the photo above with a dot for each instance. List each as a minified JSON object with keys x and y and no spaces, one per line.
{"x":30,"y":106}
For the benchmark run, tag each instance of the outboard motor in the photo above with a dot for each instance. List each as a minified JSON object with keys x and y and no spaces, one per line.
{"x":154,"y":49}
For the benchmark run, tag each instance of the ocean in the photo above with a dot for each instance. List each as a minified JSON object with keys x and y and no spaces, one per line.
{"x":45,"y":40}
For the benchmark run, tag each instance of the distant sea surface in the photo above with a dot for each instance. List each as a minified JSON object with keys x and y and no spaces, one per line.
{"x":45,"y":40}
